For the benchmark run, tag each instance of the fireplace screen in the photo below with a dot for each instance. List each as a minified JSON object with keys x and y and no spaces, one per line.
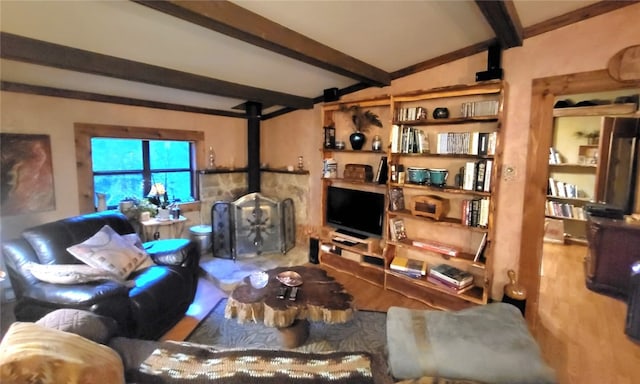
{"x":252,"y":225}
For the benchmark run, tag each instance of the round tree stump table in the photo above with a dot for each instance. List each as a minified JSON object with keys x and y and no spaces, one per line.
{"x":319,"y":298}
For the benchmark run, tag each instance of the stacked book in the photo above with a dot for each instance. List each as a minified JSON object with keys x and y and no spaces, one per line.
{"x":410,"y":267}
{"x":466,"y":143}
{"x":450,"y":278}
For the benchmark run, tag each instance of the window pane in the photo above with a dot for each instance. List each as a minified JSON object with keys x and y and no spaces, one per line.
{"x":117,"y":187}
{"x":116,"y":154}
{"x":169,"y":154}
{"x":177,"y":184}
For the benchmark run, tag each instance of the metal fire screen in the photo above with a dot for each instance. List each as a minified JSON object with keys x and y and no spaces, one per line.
{"x":253,"y":224}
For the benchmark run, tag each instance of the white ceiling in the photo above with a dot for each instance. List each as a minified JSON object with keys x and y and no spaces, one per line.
{"x":389,"y":35}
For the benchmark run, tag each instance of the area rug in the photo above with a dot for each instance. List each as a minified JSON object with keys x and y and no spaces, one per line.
{"x":365,"y":332}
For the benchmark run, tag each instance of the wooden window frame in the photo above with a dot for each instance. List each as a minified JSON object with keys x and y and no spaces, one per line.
{"x":84,"y":132}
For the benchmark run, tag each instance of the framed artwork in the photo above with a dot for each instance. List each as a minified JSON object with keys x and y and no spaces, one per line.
{"x":26,"y":180}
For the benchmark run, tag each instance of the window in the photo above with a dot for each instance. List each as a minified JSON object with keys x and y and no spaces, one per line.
{"x":123,"y":160}
{"x":129,"y":167}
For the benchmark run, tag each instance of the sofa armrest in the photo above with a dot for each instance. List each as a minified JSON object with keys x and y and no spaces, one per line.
{"x":74,"y":295}
{"x":177,"y":252}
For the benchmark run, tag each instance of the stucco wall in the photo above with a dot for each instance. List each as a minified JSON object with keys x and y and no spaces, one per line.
{"x":22,"y":113}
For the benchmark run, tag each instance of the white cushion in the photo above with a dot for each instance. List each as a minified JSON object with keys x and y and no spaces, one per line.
{"x":134,"y":239}
{"x":68,"y":273}
{"x":109,"y":251}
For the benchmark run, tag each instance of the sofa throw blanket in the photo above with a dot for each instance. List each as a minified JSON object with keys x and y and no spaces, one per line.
{"x":181,"y":362}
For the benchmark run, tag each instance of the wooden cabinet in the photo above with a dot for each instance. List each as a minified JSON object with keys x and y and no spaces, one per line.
{"x":466,"y":144}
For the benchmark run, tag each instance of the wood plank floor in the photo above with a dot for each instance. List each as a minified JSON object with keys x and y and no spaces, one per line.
{"x":580,"y":332}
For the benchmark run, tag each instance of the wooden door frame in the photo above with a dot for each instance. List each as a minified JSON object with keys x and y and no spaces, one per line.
{"x":543,"y":95}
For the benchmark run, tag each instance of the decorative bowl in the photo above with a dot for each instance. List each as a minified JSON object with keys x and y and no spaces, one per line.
{"x":259,"y":279}
{"x":440,"y":113}
{"x":290,"y":278}
{"x":418,"y":175}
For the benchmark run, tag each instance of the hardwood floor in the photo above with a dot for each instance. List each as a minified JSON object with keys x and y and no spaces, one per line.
{"x":580,"y":333}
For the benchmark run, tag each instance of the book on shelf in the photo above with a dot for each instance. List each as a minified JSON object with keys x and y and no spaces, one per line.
{"x":451,"y":275}
{"x":480,"y":252}
{"x":396,"y":198}
{"x":397,"y":229}
{"x":480,"y":174}
{"x":487,"y":175}
{"x":405,"y":264}
{"x":437,"y":247}
{"x":381,"y":173}
{"x":449,"y":287}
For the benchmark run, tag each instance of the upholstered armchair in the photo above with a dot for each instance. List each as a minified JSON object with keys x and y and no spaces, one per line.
{"x":145,"y":299}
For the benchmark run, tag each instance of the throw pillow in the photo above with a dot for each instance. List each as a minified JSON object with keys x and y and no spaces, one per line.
{"x":32,"y":353}
{"x":489,"y":343}
{"x":109,"y":251}
{"x":134,"y":239}
{"x":68,"y":273}
{"x":83,"y":323}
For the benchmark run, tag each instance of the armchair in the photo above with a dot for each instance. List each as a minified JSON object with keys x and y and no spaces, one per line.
{"x":149,"y":303}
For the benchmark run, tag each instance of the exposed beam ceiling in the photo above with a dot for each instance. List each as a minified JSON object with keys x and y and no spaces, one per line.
{"x":504,"y":21}
{"x":237,"y":22}
{"x":174,"y":54}
{"x":54,"y":55}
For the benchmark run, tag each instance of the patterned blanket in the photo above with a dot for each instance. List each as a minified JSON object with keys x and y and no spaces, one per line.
{"x":182,"y":362}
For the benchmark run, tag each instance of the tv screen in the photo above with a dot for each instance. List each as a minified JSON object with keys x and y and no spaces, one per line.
{"x":355,"y":212}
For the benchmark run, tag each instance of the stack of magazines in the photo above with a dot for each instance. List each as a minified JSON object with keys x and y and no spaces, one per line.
{"x":450,"y":278}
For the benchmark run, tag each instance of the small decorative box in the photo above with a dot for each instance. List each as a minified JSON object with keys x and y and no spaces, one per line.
{"x":358,"y":172}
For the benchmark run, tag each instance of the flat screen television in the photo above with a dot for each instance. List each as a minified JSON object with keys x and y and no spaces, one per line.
{"x":356,"y":213}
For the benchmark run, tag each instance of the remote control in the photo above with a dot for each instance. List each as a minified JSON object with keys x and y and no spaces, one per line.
{"x":282,"y":292}
{"x":293,"y":294}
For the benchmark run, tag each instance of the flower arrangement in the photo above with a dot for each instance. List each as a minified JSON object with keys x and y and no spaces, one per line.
{"x":158,"y":196}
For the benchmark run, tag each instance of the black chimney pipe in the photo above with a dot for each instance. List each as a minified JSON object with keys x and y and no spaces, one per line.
{"x":254,"y":114}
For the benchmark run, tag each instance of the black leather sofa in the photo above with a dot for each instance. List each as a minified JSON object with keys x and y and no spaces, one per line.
{"x":159,"y":299}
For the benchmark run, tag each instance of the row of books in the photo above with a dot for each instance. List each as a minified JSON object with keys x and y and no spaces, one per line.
{"x":554,"y":156}
{"x":410,"y":114}
{"x":561,"y":189}
{"x":475,"y":212}
{"x":406,"y":139}
{"x":555,"y":208}
{"x":479,"y":108}
{"x":466,"y":143}
{"x":476,"y":175}
{"x":443,"y":275}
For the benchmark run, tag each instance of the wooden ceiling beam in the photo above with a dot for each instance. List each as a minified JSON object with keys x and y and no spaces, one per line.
{"x":503,"y":19}
{"x":39,"y":52}
{"x":9,"y":86}
{"x":237,"y":22}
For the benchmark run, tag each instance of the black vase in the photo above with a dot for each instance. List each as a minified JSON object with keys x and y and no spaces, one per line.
{"x":357,"y":140}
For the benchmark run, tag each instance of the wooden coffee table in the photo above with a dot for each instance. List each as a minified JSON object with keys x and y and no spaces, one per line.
{"x":319,"y":298}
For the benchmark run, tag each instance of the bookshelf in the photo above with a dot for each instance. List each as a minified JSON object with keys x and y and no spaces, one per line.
{"x":466,"y":143}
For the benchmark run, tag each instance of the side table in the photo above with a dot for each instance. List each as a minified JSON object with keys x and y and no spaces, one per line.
{"x":151,"y":227}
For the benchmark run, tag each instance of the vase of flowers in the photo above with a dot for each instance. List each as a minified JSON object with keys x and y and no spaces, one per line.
{"x":159,"y":197}
{"x":362,"y":120}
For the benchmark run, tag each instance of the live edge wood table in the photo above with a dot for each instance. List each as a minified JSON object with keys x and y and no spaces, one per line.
{"x":319,"y":298}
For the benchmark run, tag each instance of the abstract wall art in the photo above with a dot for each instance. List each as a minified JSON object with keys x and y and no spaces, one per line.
{"x":26,"y":174}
